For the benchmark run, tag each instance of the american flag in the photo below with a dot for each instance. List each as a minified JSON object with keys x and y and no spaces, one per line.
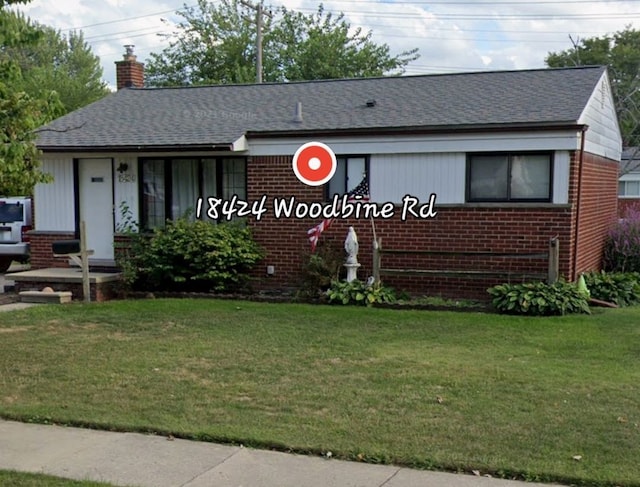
{"x":361,"y":192}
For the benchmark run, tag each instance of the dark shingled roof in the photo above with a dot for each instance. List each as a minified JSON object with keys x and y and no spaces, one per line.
{"x":218,"y":115}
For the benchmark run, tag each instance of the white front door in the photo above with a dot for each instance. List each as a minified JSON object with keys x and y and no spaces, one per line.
{"x":95,"y":178}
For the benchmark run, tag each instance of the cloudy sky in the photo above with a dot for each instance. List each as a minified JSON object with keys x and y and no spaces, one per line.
{"x":452,"y":35}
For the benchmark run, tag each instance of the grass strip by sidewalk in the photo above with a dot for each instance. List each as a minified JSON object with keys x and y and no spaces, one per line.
{"x":537,"y":398}
{"x":20,"y":479}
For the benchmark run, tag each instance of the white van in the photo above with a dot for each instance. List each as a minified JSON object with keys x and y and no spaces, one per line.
{"x":15,"y":222}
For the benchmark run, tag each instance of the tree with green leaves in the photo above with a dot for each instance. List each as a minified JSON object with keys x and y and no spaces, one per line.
{"x":216,"y":43}
{"x":20,"y":113}
{"x":621,"y":53}
{"x":61,"y":63}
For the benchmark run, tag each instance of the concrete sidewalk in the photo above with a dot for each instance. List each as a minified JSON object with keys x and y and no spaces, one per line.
{"x":129,"y":459}
{"x":16,"y":306}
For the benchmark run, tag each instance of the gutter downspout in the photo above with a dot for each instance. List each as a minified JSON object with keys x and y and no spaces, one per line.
{"x":578,"y":198}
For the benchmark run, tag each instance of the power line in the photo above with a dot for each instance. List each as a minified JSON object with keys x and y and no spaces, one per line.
{"x":146,"y":31}
{"x":128,"y":37}
{"x":481,"y":2}
{"x":130,"y":18}
{"x":114,"y":35}
{"x":432,"y":29}
{"x":439,"y":15}
{"x":152,"y":31}
{"x":362,"y":9}
{"x":475,"y":39}
{"x":445,"y":68}
{"x":500,"y":17}
{"x":393,"y":15}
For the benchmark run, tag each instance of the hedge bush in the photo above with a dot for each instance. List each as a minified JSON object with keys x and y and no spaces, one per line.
{"x":191,"y":256}
{"x":539,"y":299}
{"x":621,"y":288}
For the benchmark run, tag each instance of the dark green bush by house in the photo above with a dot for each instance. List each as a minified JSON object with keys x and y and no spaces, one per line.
{"x":621,"y":288}
{"x":539,"y":299}
{"x":191,"y":256}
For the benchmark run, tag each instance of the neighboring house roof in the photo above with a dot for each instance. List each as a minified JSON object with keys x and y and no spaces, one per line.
{"x":219,"y":115}
{"x":630,"y":160}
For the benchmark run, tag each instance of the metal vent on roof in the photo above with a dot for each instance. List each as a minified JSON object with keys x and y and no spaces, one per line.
{"x":297,"y":117}
{"x":371,"y":103}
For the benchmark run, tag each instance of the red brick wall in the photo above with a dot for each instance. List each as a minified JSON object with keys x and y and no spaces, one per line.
{"x":285,"y":240}
{"x":513,"y":229}
{"x":598,"y":209}
{"x":626,"y":204}
{"x":41,"y":252}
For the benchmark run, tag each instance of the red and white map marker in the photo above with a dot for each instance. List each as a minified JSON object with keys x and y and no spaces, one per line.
{"x":314,"y":163}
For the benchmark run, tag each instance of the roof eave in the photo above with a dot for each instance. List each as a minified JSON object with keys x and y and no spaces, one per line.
{"x":570,"y":125}
{"x":230,"y":147}
{"x":240,"y":144}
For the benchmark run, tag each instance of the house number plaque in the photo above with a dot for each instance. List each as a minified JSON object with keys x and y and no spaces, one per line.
{"x":126,"y":178}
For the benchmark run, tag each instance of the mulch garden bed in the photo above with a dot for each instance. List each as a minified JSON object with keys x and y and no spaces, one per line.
{"x":290,"y":298}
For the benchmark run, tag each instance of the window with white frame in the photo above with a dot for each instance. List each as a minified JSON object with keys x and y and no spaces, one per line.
{"x":509,"y":177}
{"x":171,"y":187}
{"x":629,"y":189}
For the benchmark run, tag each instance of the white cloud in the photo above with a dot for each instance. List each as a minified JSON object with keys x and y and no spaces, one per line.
{"x":461,"y":36}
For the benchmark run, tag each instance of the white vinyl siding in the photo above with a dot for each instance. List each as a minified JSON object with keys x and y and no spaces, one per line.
{"x":603,"y":135}
{"x":561,"y":169}
{"x":392,"y":176}
{"x":55,"y":202}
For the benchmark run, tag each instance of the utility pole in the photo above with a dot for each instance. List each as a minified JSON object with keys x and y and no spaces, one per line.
{"x":259,"y":13}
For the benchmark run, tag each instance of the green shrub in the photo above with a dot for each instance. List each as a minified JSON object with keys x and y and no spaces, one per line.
{"x":539,"y":299}
{"x":621,"y":288}
{"x":360,"y":293}
{"x":320,"y":269}
{"x":191,"y":256}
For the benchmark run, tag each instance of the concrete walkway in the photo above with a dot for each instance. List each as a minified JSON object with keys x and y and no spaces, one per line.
{"x":129,"y":459}
{"x":16,"y":306}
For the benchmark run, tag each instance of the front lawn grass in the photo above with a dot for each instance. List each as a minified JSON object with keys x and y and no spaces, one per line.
{"x":510,"y":396}
{"x":19,"y":479}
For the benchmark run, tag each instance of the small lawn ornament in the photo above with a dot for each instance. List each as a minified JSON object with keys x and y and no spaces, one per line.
{"x":351,"y":248}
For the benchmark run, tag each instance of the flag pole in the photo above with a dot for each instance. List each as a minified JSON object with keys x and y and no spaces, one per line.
{"x":373,"y":230}
{"x":373,"y":224}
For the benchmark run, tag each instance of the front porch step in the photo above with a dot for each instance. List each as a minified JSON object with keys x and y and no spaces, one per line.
{"x":102,"y":284}
{"x":45,"y":297}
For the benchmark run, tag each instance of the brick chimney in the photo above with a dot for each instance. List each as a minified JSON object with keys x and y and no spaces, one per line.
{"x":129,"y":72}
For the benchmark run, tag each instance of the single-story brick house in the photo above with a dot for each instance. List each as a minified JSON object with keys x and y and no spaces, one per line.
{"x":514,"y":158}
